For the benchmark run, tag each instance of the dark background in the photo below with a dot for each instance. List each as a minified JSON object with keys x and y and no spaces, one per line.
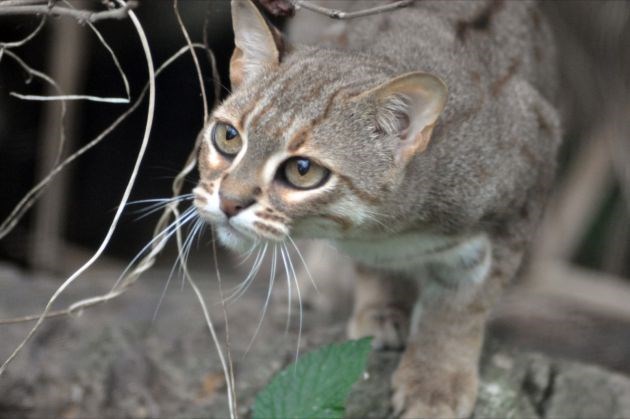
{"x":99,"y":177}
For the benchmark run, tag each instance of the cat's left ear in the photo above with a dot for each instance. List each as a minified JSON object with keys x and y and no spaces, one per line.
{"x":258,"y":45}
{"x":408,"y":107}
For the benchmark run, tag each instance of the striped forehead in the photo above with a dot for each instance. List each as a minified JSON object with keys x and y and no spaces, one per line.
{"x":295,"y":98}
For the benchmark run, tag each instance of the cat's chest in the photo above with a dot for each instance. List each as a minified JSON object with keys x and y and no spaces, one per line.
{"x":410,"y":252}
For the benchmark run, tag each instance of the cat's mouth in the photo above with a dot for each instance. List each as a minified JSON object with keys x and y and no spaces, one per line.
{"x":233,"y":236}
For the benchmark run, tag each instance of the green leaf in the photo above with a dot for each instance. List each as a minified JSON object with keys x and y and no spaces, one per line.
{"x":317,"y":386}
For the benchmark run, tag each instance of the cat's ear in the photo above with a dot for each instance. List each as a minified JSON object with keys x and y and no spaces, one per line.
{"x":258,"y":44}
{"x":408,"y":107}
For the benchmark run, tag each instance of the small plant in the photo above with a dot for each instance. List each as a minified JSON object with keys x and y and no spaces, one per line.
{"x":317,"y":385}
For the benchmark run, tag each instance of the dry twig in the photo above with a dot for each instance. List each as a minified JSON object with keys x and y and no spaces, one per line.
{"x":202,"y":88}
{"x":229,"y":370}
{"x":341,"y":15}
{"x":24,"y":40}
{"x":30,"y":8}
{"x":62,"y":135}
{"x":31,"y":197}
{"x":113,"y":225}
{"x":216,"y":82}
{"x":80,"y":305}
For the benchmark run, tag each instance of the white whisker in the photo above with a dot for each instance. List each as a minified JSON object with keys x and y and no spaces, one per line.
{"x":308,"y":273}
{"x":301,"y":312}
{"x":202,"y":230}
{"x":161,"y":299}
{"x":229,"y":381}
{"x":373,"y":216}
{"x":249,"y":253}
{"x":237,"y":289}
{"x":160,"y":200}
{"x":186,"y":247}
{"x":162,"y":236}
{"x":272,"y":277}
{"x":156,"y":204}
{"x":170,"y":276}
{"x":152,"y":209}
{"x":286,"y":270}
{"x":252,"y":274}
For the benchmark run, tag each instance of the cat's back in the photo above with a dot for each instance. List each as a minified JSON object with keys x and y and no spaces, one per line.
{"x":473,"y":45}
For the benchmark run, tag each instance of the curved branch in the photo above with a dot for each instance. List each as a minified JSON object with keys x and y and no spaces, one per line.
{"x":24,"y":40}
{"x":80,"y":15}
{"x":340,"y":14}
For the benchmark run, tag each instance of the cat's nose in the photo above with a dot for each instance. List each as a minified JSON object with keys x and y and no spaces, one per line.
{"x":232,"y":206}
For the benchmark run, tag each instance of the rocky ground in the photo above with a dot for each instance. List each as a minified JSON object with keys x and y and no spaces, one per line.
{"x":116,"y":361}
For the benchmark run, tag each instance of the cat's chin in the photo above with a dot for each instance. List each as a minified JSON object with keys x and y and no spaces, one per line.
{"x":233,"y":239}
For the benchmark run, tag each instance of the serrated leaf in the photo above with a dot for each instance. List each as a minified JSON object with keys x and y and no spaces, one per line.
{"x":317,"y":386}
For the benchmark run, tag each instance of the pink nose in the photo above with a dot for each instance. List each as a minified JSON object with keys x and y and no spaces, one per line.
{"x":231,"y":207}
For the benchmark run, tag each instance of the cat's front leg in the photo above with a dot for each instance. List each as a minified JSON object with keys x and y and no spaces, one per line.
{"x":382,"y":308}
{"x":438,"y":374}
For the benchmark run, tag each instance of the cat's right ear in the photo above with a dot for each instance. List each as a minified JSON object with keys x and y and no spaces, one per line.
{"x":258,"y":44}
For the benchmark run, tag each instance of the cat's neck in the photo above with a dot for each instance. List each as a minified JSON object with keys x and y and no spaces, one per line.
{"x":410,"y":251}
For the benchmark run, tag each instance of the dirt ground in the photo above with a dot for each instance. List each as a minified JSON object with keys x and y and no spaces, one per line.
{"x":116,"y":360}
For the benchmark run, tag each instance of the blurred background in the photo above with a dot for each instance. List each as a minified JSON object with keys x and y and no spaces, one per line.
{"x":574,"y":297}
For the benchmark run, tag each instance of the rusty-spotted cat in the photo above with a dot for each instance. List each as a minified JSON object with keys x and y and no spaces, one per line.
{"x":419,"y":141}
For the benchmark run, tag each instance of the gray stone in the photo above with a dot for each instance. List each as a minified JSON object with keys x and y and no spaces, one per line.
{"x":114,"y":361}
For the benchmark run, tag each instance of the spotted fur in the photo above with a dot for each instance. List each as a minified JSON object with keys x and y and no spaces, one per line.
{"x":435,"y":124}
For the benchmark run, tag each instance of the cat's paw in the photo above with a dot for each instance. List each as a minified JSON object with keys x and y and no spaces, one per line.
{"x":424,"y":390}
{"x":388,"y":326}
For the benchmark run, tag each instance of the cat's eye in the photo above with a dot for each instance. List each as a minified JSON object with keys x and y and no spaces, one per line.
{"x":226,"y":139}
{"x":302,"y":173}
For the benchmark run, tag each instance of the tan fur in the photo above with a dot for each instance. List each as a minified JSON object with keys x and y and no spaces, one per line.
{"x":382,"y":309}
{"x":434,"y":125}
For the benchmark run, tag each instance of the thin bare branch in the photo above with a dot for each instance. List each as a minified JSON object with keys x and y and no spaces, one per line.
{"x":619,"y":145}
{"x":15,"y":8}
{"x":229,"y":370}
{"x":56,"y":98}
{"x":32,"y":317}
{"x":228,"y":377}
{"x":62,"y":97}
{"x":216,"y":81}
{"x":156,"y":248}
{"x":341,"y":15}
{"x":111,"y":53}
{"x":27,"y":38}
{"x":5,"y":3}
{"x":225,"y":317}
{"x":194,"y":57}
{"x":34,"y":193}
{"x":117,"y":215}
{"x":45,"y":77}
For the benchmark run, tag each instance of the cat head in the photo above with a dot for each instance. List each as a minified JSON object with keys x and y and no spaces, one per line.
{"x":312,"y":142}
